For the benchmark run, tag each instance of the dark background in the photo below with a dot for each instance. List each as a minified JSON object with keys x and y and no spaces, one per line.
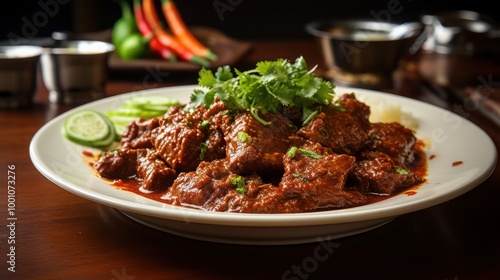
{"x":240,"y":19}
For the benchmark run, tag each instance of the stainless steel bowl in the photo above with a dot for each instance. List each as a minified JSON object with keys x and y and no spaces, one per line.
{"x":76,"y":71}
{"x":18,"y":75}
{"x":461,"y":32}
{"x":364,"y":53}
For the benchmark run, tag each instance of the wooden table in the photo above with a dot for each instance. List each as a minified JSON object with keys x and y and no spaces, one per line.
{"x":59,"y":235}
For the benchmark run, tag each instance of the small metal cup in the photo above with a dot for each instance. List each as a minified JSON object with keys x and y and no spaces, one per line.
{"x":18,"y":75}
{"x":75,"y":72}
{"x":461,"y":32}
{"x":364,"y":53}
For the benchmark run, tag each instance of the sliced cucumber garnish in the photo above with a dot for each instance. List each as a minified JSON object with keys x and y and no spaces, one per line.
{"x":151,"y":102}
{"x":89,"y":128}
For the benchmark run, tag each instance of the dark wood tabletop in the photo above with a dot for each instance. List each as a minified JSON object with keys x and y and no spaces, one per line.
{"x":58,"y":235}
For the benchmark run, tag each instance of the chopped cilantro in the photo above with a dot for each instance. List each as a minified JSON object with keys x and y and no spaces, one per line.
{"x":324,"y":133}
{"x":203,"y":150}
{"x":243,"y":137}
{"x":310,"y":154}
{"x":337,"y":105}
{"x":239,"y":183}
{"x":204,"y":124}
{"x":402,"y":171}
{"x":300,"y":176}
{"x":268,"y":87}
{"x":291,"y":152}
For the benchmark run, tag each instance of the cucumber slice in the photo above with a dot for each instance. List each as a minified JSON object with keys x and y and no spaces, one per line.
{"x":89,"y":128}
{"x":159,"y":108}
{"x":135,"y":112}
{"x":150,"y":102}
{"x":121,"y":123}
{"x":139,"y":106}
{"x":122,"y":120}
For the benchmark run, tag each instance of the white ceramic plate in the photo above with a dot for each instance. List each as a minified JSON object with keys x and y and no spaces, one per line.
{"x":451,"y":139}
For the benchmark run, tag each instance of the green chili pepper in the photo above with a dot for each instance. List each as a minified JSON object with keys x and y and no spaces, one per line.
{"x":124,"y":26}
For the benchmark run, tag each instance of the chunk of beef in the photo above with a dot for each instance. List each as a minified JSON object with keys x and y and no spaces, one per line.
{"x":214,"y":145}
{"x":357,"y":109}
{"x":343,"y":127}
{"x":183,"y":139}
{"x":254,"y":147}
{"x":143,"y":164}
{"x":173,"y":115}
{"x":317,"y":178}
{"x":393,"y":139}
{"x":179,"y":144}
{"x":215,"y":112}
{"x":266,"y":198}
{"x":121,"y":164}
{"x":210,"y":188}
{"x":376,"y":172}
{"x":195,"y":188}
{"x":137,"y":134}
{"x":155,"y":175}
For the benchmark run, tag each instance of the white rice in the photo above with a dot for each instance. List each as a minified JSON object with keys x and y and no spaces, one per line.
{"x":382,"y":111}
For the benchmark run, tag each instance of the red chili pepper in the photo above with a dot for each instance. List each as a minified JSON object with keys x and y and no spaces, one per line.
{"x":180,"y":30}
{"x":167,"y":39}
{"x":162,"y":51}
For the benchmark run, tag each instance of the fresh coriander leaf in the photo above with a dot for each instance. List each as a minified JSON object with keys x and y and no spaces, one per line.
{"x":310,"y":153}
{"x":300,"y":176}
{"x":269,"y":87}
{"x":239,"y":183}
{"x":224,"y":73}
{"x":402,"y":171}
{"x":291,"y":152}
{"x":255,"y":114}
{"x":203,"y":150}
{"x":308,"y":114}
{"x":204,"y":124}
{"x":243,"y":137}
{"x":206,"y":78}
{"x":199,"y":98}
{"x":338,"y":106}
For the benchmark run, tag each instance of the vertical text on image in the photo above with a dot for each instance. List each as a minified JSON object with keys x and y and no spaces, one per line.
{"x":11,"y":218}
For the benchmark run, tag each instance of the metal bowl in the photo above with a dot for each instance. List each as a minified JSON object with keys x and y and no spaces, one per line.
{"x":364,"y":53}
{"x":461,"y":32}
{"x":76,"y":71}
{"x":18,"y":75}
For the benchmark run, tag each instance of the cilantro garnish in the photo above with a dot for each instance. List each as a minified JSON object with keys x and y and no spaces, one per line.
{"x":293,"y":151}
{"x":402,"y":171}
{"x":239,"y":183}
{"x":337,"y":105}
{"x":243,"y":137}
{"x":310,"y":154}
{"x":203,"y":150}
{"x":300,"y":176}
{"x":204,"y":124}
{"x":270,"y":86}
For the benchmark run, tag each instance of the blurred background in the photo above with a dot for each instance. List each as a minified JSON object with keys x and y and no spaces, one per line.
{"x":239,"y":19}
